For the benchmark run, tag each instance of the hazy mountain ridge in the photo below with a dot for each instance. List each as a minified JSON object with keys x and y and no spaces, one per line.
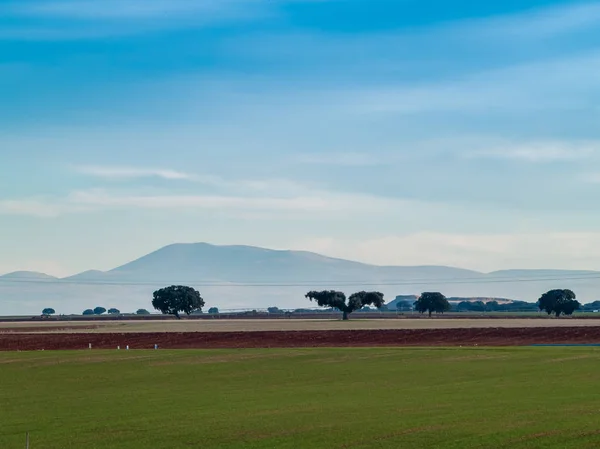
{"x":28,"y":275}
{"x":227,"y":277}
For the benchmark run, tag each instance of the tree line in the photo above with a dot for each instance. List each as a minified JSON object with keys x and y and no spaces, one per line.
{"x":178,"y":299}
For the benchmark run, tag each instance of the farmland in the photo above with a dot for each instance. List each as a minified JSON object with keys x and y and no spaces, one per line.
{"x":289,"y":398}
{"x":252,"y":325}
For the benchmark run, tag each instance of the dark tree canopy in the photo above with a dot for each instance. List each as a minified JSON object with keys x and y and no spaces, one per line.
{"x":177,"y":298}
{"x":213,"y":310}
{"x":142,"y":312}
{"x":113,"y":311}
{"x":432,"y":302}
{"x":99,"y":310}
{"x":88,"y":312}
{"x":48,"y":311}
{"x":274,"y":310}
{"x":337,"y":300}
{"x":558,"y":302}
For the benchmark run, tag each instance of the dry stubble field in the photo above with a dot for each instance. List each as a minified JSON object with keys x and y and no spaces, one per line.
{"x":297,"y":333}
{"x":260,"y":325}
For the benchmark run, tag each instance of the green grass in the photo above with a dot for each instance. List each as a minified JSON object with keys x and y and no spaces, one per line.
{"x":303,"y":398}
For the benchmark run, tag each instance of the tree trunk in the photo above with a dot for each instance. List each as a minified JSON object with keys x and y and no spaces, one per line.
{"x":177,"y":315}
{"x":430,"y":312}
{"x":345,"y":316}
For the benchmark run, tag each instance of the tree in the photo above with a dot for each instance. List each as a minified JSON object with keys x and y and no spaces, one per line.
{"x":177,"y":298}
{"x":558,"y":302}
{"x":99,"y":310}
{"x":432,"y":302}
{"x":142,"y":312}
{"x":274,"y":310}
{"x":88,"y":312}
{"x":114,"y":311}
{"x":337,"y":300}
{"x":48,"y":311}
{"x":213,"y":310}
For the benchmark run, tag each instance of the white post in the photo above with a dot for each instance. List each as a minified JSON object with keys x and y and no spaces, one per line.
{"x":90,"y":346}
{"x":27,"y":440}
{"x":127,"y":347}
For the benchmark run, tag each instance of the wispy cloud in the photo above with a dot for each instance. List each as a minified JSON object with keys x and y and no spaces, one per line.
{"x":560,"y":84}
{"x":591,"y":178}
{"x":539,"y":151}
{"x":241,"y":186}
{"x":132,"y":172}
{"x":87,"y":19}
{"x":544,"y":22}
{"x":308,"y":201}
{"x":128,"y":9}
{"x":485,"y":252}
{"x":340,"y":159}
{"x":31,"y":207}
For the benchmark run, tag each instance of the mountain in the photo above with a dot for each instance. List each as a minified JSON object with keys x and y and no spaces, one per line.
{"x":241,"y":277}
{"x":28,"y":275}
{"x":90,"y":275}
{"x":189,"y":263}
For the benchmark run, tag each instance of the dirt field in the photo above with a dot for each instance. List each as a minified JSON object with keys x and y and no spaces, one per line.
{"x":328,"y":338}
{"x":288,"y":325}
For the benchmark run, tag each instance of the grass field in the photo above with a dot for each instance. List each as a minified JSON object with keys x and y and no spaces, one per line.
{"x":304,"y":398}
{"x":224,"y":325}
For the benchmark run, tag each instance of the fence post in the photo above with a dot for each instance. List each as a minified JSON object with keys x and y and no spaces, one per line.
{"x":27,"y":440}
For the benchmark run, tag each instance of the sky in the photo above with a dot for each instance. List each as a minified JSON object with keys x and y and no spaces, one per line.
{"x":404,"y":132}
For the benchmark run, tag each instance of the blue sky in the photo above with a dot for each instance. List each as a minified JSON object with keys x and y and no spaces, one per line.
{"x":388,"y":131}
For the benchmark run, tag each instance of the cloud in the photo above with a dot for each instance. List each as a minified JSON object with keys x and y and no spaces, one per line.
{"x":256,"y":201}
{"x":29,"y":207}
{"x":243,"y":186}
{"x":88,"y":19}
{"x":592,"y":178}
{"x":539,"y":151}
{"x":543,"y":22}
{"x":340,"y":159}
{"x":533,"y":87}
{"x":128,"y":9}
{"x":486,"y":252}
{"x":306,"y":201}
{"x":132,"y":173}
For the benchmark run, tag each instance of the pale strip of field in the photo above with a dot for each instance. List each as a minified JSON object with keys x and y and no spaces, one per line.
{"x":287,"y":325}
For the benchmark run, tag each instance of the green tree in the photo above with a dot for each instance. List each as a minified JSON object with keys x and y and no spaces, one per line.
{"x":337,"y":300}
{"x":99,"y":310}
{"x":177,"y":298}
{"x":48,"y":311}
{"x":142,"y":312}
{"x":432,"y":302}
{"x":558,"y":302}
{"x":114,"y":311}
{"x":87,"y":312}
{"x":274,"y":310}
{"x":213,"y":310}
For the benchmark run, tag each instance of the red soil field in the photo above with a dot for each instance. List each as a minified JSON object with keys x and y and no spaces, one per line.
{"x":12,"y":341}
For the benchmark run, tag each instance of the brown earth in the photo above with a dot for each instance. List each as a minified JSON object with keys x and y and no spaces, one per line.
{"x":280,"y":339}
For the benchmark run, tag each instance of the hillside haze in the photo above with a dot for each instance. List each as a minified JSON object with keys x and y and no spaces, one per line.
{"x":239,"y":277}
{"x":204,"y":262}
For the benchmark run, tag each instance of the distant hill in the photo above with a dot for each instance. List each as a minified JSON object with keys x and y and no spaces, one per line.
{"x":204,"y":262}
{"x":90,"y":275}
{"x":236,"y":277}
{"x":28,"y":275}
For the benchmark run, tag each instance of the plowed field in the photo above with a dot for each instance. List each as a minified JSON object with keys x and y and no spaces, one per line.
{"x":284,"y":339}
